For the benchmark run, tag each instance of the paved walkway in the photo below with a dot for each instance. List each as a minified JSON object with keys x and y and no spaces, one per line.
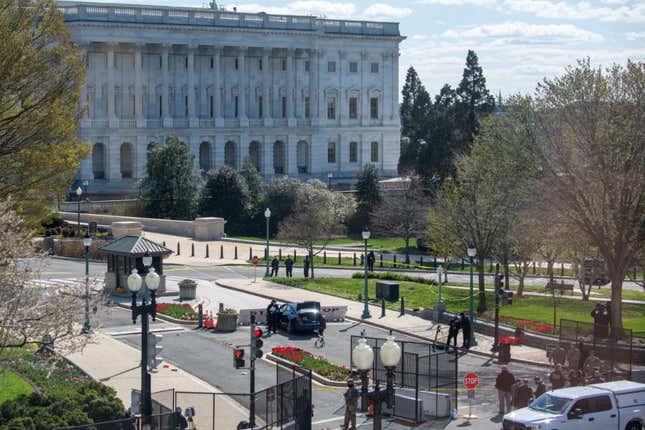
{"x":118,"y":365}
{"x":409,"y":324}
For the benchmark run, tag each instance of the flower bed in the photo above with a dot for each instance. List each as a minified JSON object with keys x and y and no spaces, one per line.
{"x":180,"y":311}
{"x":540,"y":327}
{"x":318,"y":364}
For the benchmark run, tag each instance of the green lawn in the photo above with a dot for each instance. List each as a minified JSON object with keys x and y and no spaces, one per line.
{"x":391,"y":244}
{"x":12,"y":385}
{"x":419,"y":295}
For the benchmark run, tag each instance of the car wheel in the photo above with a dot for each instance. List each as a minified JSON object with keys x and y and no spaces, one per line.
{"x":634,"y":426}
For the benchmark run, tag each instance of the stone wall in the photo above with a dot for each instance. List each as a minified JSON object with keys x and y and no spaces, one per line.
{"x":128,"y":207}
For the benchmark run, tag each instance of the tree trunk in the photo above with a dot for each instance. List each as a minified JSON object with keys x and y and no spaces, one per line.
{"x":407,"y":251}
{"x":616,"y":303}
{"x":521,"y":275}
{"x":311,"y":261}
{"x":507,"y":272}
{"x":481,"y":307}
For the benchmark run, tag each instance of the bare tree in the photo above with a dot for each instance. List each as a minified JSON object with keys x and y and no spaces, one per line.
{"x":31,"y":313}
{"x":318,"y":217}
{"x":403,"y":214}
{"x":593,"y":120}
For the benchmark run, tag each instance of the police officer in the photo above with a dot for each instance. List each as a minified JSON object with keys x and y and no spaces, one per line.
{"x":453,"y":331}
{"x":351,"y":405}
{"x":288,"y":265}
{"x":272,"y":316}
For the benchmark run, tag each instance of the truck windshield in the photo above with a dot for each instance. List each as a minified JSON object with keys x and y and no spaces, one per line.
{"x":550,"y":404}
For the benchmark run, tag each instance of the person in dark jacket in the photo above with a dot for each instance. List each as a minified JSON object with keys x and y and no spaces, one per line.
{"x":503,"y":384}
{"x":272,"y":316}
{"x":575,"y":378}
{"x":453,"y":331}
{"x":275,"y":265}
{"x":371,"y":259}
{"x":306,"y":264}
{"x":181,"y":421}
{"x":465,"y":329}
{"x":288,"y":265}
{"x":557,"y":378}
{"x":524,"y":394}
{"x":540,"y":388}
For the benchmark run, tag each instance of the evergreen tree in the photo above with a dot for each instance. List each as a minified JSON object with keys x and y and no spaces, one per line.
{"x":171,"y":184}
{"x":255,"y":184}
{"x":474,"y":102}
{"x":226,"y":195}
{"x":415,"y":109}
{"x":368,"y":196}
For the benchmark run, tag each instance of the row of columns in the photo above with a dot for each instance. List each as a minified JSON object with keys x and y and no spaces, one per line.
{"x":317,"y":101}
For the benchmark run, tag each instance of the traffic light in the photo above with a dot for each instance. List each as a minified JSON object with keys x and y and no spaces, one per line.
{"x":238,"y":358}
{"x":154,"y":349}
{"x":256,"y":344}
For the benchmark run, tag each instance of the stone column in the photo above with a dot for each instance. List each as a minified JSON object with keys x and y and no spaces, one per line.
{"x":321,"y":115}
{"x":165,"y":89}
{"x":220,"y":143}
{"x":193,"y":122}
{"x":217,"y":90}
{"x":365,"y":92}
{"x":138,"y":86}
{"x":141,"y":157}
{"x":113,"y":158}
{"x":342,"y":109}
{"x":266,"y":85}
{"x":292,"y":155}
{"x":395,"y":85}
{"x":111,"y":113}
{"x":313,"y":86}
{"x":291,"y":120}
{"x":194,"y":141}
{"x":86,"y":167}
{"x":388,"y":89}
{"x":267,"y":157}
{"x":204,"y":105}
{"x":243,"y":150}
{"x":244,"y":121}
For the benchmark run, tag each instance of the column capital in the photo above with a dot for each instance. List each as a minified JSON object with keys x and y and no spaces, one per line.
{"x":243,"y":50}
{"x":266,"y":51}
{"x":192,"y":45}
{"x":291,"y":52}
{"x":217,"y":49}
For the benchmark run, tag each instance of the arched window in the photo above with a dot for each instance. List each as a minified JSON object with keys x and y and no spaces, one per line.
{"x":255,"y":155}
{"x":353,"y":152}
{"x":230,"y":154}
{"x":331,"y":152}
{"x":374,"y":152}
{"x":302,"y":155}
{"x":279,"y":157}
{"x":127,"y":160}
{"x":98,"y":161}
{"x":205,"y":156}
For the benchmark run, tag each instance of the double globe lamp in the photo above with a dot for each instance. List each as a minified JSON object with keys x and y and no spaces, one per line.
{"x":363,"y":359}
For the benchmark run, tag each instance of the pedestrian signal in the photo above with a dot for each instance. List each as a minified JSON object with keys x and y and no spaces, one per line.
{"x":238,"y":358}
{"x":256,"y":344}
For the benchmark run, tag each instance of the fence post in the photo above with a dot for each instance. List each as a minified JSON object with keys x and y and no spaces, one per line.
{"x":561,"y":269}
{"x":394,"y":262}
{"x":178,"y":249}
{"x":382,"y":307}
{"x":221,"y":251}
{"x":462,"y":264}
{"x":236,"y":252}
{"x":534,"y":268}
{"x":339,"y":263}
{"x":402,"y":306}
{"x":362,"y":261}
{"x":354,"y":259}
{"x":324,"y":257}
{"x":206,"y":250}
{"x":381,"y":263}
{"x":192,"y":249}
{"x":279,"y":254}
{"x":250,"y":253}
{"x":421,"y":262}
{"x":294,"y":255}
{"x":434,"y":260}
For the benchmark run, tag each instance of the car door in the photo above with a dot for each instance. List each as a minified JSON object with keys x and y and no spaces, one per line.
{"x":575,"y":416}
{"x":284,"y":315}
{"x":600,"y":414}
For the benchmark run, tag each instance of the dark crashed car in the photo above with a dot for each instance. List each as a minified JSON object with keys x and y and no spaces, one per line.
{"x":302,"y":317}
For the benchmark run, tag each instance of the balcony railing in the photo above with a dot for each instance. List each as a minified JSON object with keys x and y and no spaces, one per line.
{"x":207,"y":123}
{"x":153,"y":123}
{"x":127,"y":123}
{"x":220,"y":18}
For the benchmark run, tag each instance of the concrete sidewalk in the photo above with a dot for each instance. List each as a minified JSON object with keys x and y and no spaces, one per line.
{"x":409,"y":324}
{"x":117,"y":365}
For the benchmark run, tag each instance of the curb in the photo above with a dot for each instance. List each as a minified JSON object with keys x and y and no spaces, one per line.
{"x":315,"y":376}
{"x":383,"y":326}
{"x":163,"y":317}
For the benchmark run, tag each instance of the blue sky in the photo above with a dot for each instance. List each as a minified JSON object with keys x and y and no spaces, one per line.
{"x":519,"y":42}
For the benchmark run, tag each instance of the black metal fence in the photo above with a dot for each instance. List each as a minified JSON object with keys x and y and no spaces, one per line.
{"x":424,"y":367}
{"x":615,"y":347}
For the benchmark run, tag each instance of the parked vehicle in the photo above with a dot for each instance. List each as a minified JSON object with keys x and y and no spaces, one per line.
{"x":302,"y":317}
{"x":618,"y":405}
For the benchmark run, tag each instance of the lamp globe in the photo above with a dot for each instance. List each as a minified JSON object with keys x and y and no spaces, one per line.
{"x":152,"y":279}
{"x":390,"y":353}
{"x":363,"y":355}
{"x":134,"y":281}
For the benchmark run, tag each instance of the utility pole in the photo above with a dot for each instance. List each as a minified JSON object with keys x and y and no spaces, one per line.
{"x":252,"y":376}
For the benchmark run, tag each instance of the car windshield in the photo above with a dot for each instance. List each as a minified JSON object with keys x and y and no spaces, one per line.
{"x":550,"y":404}
{"x":308,"y":311}
{"x":309,"y":306}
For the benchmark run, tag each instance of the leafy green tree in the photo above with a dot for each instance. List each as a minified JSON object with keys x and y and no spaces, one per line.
{"x":281,"y":197}
{"x":226,"y":195}
{"x":415,"y":110}
{"x":319,"y":215}
{"x":170,"y":189}
{"x":254,"y":182}
{"x":368,"y":196}
{"x":475,"y":102}
{"x":39,"y":110}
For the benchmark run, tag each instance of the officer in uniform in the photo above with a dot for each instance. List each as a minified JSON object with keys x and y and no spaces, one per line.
{"x":351,"y":405}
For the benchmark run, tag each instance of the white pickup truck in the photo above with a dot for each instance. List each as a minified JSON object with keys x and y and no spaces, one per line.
{"x":618,"y":405}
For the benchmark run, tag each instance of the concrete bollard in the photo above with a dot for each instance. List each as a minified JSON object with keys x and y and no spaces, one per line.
{"x":381,"y":262}
{"x":207,"y":256}
{"x":192,"y":249}
{"x":250,"y":253}
{"x":236,"y":252}
{"x":394,"y":262}
{"x":221,"y":251}
{"x":178,"y":249}
{"x":279,"y":254}
{"x":324,"y":257}
{"x":402,"y":306}
{"x":382,"y":307}
{"x":354,"y":259}
{"x":339,"y":260}
{"x":294,"y":255}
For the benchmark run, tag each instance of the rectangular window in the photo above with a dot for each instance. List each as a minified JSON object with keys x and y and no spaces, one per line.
{"x":306,"y":66}
{"x":284,"y":65}
{"x":236,"y":106}
{"x":212,"y":62}
{"x":260,"y":112}
{"x":160,"y":106}
{"x":353,"y":108}
{"x":212,"y":105}
{"x":374,"y":152}
{"x":185,"y":105}
{"x":331,"y":66}
{"x":307,"y":108}
{"x":185,"y":62}
{"x":353,"y":152}
{"x":331,"y":153}
{"x":160,"y":64}
{"x":374,"y":67}
{"x":374,"y":108}
{"x":353,"y":67}
{"x":331,"y":108}
{"x":237,"y":63}
{"x":284,"y":107}
{"x":260,"y":64}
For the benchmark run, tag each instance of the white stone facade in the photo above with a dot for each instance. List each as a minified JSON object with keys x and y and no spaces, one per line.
{"x":302,"y":96}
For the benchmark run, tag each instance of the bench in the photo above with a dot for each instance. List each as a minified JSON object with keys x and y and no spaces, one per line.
{"x":555,"y":286}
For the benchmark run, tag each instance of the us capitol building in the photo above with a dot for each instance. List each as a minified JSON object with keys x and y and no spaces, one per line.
{"x":301,"y":96}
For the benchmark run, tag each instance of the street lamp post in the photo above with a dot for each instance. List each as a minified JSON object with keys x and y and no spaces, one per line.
{"x":87,"y":242}
{"x":150,"y":284}
{"x":363,"y":357}
{"x":267,"y":215}
{"x":329,"y":178}
{"x":441,"y":306}
{"x":79,"y":191}
{"x":366,"y":310}
{"x":472,"y":251}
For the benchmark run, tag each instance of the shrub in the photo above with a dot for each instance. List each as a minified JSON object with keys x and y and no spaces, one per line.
{"x":318,"y":364}
{"x":390,"y":276}
{"x":175,"y":310}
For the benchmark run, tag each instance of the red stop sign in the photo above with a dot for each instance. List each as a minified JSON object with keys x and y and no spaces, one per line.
{"x":470,"y":381}
{"x":255,"y":260}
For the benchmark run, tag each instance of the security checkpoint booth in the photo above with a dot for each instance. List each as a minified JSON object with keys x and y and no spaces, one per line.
{"x":127,"y":253}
